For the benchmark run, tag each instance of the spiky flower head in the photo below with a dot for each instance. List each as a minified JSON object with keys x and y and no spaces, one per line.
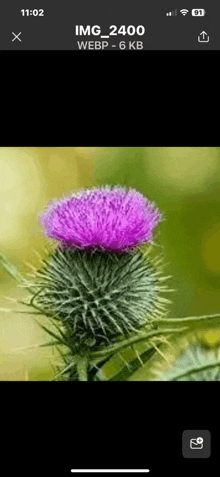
{"x":98,"y":296}
{"x":111,"y":218}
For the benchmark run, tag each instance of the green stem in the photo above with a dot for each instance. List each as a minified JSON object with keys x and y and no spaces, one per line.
{"x":135,"y":339}
{"x":82,"y":364}
{"x":187,"y":320}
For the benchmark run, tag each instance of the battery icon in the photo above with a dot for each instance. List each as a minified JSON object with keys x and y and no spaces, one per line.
{"x":198,"y":12}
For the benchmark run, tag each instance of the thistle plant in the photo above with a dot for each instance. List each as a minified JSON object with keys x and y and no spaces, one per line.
{"x":99,"y":286}
{"x":190,"y":360}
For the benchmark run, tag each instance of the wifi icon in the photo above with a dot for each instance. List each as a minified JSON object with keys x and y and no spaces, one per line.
{"x":184,"y":11}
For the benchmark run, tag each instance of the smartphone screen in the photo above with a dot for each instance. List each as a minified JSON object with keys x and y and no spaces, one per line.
{"x":109,"y":237}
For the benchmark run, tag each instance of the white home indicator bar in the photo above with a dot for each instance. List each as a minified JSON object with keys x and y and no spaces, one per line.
{"x":110,"y":470}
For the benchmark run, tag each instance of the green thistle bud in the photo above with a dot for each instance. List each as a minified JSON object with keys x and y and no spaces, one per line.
{"x":97,"y":296}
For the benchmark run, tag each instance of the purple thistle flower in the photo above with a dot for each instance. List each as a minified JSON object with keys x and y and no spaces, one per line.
{"x":107,"y":218}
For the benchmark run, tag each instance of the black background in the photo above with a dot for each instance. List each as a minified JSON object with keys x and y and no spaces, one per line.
{"x":52,"y":428}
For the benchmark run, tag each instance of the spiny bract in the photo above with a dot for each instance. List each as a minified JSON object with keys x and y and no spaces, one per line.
{"x":99,"y":295}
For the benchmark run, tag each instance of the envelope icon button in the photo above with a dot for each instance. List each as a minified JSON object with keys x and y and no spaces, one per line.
{"x":196,"y":443}
{"x":194,"y":447}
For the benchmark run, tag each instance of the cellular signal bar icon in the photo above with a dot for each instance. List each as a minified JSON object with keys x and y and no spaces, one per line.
{"x":171,"y":14}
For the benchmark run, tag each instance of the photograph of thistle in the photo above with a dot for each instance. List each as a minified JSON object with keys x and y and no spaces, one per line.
{"x":110,"y":264}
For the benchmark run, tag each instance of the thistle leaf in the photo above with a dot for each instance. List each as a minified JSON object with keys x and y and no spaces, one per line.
{"x":12,"y":270}
{"x":59,"y":340}
{"x":125,"y":373}
{"x":50,"y":343}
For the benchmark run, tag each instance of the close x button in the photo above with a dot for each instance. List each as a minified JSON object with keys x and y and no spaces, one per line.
{"x":196,"y":444}
{"x":16,"y":36}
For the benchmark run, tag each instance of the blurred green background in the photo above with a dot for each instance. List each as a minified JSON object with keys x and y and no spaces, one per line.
{"x":183,"y":182}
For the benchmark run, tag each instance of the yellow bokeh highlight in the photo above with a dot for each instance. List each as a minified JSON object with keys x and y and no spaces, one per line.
{"x":212,"y":338}
{"x":209,"y":337}
{"x":20,"y":181}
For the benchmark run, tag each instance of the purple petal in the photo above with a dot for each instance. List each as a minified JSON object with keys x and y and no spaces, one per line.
{"x":106,"y":218}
